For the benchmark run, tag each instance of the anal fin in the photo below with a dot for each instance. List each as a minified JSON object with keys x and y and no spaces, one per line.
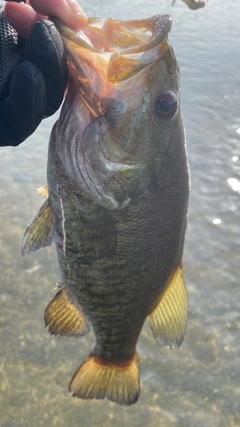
{"x":169,"y":318}
{"x":63,"y":317}
{"x":40,"y":232}
{"x":98,"y":378}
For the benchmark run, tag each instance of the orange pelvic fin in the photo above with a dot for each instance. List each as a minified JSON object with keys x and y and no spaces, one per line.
{"x":62,"y":317}
{"x":169,"y":318}
{"x":98,"y":378}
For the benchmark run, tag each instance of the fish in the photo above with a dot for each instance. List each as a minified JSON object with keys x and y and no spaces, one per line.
{"x":193,"y":4}
{"x":116,"y":200}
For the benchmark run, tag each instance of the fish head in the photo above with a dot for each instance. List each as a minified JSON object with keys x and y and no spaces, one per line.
{"x":122,"y":106}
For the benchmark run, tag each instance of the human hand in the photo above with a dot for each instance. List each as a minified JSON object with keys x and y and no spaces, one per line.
{"x":33,"y":74}
{"x":23,"y":16}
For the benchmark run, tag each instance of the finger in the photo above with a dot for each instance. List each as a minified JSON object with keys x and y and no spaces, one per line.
{"x":22,"y":17}
{"x":68,"y":11}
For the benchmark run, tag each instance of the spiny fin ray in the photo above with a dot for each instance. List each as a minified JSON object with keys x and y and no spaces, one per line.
{"x":98,"y":378}
{"x":169,"y":318}
{"x":40,"y":232}
{"x":63,"y":317}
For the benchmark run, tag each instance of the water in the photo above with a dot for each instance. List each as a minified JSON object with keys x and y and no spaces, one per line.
{"x":198,"y":385}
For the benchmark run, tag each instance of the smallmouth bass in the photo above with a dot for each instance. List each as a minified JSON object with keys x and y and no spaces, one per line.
{"x":117,"y":199}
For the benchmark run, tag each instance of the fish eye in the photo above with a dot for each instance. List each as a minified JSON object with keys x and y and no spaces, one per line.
{"x":166,"y":105}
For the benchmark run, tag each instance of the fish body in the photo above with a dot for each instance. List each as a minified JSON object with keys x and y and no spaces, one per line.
{"x":118,"y":186}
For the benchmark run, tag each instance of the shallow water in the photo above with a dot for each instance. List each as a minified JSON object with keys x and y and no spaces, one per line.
{"x":197,"y":385}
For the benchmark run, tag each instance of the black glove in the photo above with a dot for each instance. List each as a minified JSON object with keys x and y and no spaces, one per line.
{"x":33,"y":77}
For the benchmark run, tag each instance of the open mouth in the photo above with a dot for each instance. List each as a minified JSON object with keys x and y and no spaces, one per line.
{"x":107,"y":58}
{"x":110,"y":63}
{"x":119,"y":48}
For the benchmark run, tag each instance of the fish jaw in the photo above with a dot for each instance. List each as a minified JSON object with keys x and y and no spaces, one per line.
{"x":119,"y":48}
{"x":114,"y":137}
{"x":107,"y":53}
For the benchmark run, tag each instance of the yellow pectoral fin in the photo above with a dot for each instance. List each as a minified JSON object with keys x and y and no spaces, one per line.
{"x":98,"y":378}
{"x":62,"y":317}
{"x":40,"y":232}
{"x":169,"y":318}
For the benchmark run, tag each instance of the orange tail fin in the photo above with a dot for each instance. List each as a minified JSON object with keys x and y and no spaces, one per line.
{"x":98,"y":378}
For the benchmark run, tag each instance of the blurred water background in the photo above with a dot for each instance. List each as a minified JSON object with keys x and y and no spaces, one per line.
{"x":199,"y":384}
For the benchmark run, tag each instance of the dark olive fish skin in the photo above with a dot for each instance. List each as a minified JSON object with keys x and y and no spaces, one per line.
{"x":118,"y":292}
{"x":119,"y":219}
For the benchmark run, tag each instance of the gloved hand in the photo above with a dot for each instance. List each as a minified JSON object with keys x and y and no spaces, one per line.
{"x":33,"y":77}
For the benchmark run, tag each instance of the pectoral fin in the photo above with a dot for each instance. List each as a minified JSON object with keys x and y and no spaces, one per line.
{"x":63,"y":317}
{"x":40,"y":232}
{"x":169,"y":318}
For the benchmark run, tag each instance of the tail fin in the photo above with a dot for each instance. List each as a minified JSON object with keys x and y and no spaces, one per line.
{"x":99,"y":378}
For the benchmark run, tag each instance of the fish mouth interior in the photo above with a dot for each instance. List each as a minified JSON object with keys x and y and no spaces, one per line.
{"x":119,"y":49}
